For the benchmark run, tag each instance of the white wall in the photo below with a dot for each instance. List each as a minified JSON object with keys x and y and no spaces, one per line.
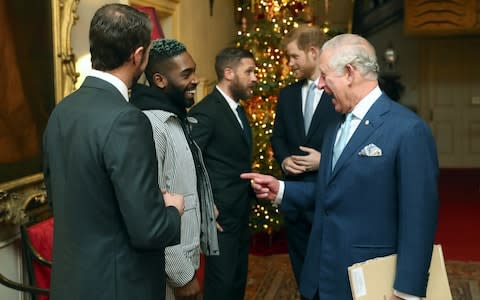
{"x":10,"y":266}
{"x":203,"y":35}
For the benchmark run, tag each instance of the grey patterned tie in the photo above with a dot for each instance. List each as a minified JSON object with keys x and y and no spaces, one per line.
{"x":308,"y":113}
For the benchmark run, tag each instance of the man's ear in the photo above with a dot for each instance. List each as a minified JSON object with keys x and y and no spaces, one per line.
{"x":350,"y":72}
{"x":137,"y":56}
{"x":228,"y":73}
{"x":314,"y":52}
{"x":160,"y":80}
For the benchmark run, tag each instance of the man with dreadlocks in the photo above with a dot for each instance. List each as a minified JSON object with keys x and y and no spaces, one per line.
{"x":171,"y":75}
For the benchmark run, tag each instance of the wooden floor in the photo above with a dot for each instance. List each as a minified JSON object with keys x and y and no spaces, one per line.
{"x":271,"y":278}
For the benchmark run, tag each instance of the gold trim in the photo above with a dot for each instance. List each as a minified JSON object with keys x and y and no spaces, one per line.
{"x":16,"y":195}
{"x":22,"y":197}
{"x":63,"y":18}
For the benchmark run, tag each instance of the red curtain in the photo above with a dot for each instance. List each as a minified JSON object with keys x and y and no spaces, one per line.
{"x":157,"y":32}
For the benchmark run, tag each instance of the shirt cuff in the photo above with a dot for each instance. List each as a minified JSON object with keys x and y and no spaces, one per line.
{"x":281,"y":190}
{"x":405,"y":296}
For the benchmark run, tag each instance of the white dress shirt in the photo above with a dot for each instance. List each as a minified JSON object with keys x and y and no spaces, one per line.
{"x":233,"y":105}
{"x":115,"y":81}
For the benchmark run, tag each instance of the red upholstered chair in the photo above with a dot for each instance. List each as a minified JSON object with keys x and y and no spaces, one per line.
{"x":37,"y":240}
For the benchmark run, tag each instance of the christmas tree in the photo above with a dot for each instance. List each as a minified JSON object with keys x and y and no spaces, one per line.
{"x":263,"y":25}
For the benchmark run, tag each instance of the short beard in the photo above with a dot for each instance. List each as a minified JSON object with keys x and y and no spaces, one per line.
{"x":178,"y":96}
{"x":238,"y":92}
{"x":189,"y":102}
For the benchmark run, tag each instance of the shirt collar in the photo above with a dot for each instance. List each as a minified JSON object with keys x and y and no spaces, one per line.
{"x":233,"y":105}
{"x":112,"y":79}
{"x":308,"y":82}
{"x":362,"y":107}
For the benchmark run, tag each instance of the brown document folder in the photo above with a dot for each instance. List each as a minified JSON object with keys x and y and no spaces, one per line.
{"x":373,"y":279}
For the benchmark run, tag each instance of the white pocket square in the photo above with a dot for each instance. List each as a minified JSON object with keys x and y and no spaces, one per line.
{"x":370,"y":150}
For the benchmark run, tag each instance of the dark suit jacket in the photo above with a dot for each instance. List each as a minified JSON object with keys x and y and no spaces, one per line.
{"x":227,"y":154}
{"x":371,"y":206}
{"x":111,"y":223}
{"x":289,"y":133}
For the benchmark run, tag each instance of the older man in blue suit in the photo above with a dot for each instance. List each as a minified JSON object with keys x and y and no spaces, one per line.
{"x":376,"y":191}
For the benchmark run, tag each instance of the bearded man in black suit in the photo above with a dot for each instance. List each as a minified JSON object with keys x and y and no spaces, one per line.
{"x":224,"y":135}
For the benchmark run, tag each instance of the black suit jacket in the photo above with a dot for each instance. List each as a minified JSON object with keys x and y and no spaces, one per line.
{"x":227,"y":154}
{"x":111,"y":223}
{"x":289,"y":132}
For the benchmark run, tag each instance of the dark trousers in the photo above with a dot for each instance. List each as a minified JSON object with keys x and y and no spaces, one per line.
{"x":298,"y":232}
{"x":226,"y":274}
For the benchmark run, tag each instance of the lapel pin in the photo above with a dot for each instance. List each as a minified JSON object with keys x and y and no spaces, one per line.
{"x":367,"y":122}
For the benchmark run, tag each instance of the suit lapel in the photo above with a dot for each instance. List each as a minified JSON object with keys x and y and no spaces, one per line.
{"x":328,"y":143}
{"x":325,"y":99}
{"x":297,"y":110}
{"x":370,"y":123}
{"x":231,"y":117}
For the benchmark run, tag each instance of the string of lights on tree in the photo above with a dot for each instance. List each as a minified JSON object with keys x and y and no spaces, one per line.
{"x":263,"y":23}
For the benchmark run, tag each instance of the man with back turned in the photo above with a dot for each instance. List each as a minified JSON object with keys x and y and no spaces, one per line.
{"x":112,"y":222}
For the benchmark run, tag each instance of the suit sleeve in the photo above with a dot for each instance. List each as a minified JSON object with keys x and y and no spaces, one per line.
{"x":279,"y":135}
{"x":129,"y":155}
{"x":298,"y":195}
{"x":203,"y":129}
{"x":417,"y":171}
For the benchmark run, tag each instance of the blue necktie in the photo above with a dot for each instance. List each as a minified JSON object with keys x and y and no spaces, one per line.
{"x":342,"y":139}
{"x":308,"y":112}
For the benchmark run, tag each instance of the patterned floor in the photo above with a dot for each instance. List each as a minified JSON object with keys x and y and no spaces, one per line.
{"x":271,"y":278}
{"x":464,"y":280}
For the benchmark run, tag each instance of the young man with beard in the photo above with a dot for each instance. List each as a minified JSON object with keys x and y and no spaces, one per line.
{"x":111,"y":222}
{"x":302,"y":115}
{"x":171,"y":75}
{"x":224,"y":135}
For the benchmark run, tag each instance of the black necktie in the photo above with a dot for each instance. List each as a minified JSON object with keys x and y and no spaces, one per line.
{"x":246,"y":127}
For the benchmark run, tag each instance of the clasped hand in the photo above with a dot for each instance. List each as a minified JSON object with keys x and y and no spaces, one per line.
{"x":298,"y":164}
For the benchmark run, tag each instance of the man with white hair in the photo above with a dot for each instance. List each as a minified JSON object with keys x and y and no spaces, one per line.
{"x":376,"y":192}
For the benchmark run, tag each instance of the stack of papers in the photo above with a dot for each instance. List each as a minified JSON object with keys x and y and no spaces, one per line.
{"x":373,"y":279}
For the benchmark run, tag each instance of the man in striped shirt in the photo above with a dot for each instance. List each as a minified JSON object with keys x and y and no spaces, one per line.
{"x":172,"y":78}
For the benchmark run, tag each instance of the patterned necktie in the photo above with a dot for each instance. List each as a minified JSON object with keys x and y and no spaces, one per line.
{"x":342,"y":139}
{"x":308,"y":112}
{"x":246,"y":127}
